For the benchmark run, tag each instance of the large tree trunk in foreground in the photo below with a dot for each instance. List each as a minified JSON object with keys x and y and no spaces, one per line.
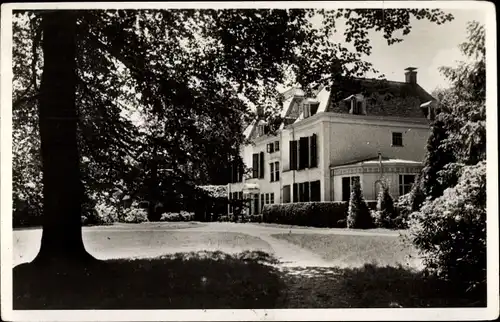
{"x":62,"y":186}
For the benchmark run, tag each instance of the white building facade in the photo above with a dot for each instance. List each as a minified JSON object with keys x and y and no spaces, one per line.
{"x":328,"y":141}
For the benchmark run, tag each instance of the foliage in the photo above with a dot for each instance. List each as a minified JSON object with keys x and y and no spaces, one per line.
{"x":214,"y":191}
{"x":134,"y":215}
{"x":313,"y":214}
{"x":358,"y":213}
{"x":386,"y":212}
{"x":181,"y":216}
{"x":450,"y":231}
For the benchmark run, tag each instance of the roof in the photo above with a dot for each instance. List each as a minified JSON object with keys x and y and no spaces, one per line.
{"x":383,"y":97}
{"x":375,"y":161}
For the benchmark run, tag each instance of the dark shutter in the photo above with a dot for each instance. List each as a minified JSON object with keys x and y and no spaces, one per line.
{"x":261,"y":202}
{"x":286,"y":194}
{"x":271,"y":172}
{"x":315,"y":191}
{"x":295,"y":193}
{"x":293,"y":155}
{"x":271,"y":147}
{"x":303,"y":153}
{"x":346,"y":188}
{"x":261,"y":165}
{"x":314,"y":151}
{"x":255,"y":165}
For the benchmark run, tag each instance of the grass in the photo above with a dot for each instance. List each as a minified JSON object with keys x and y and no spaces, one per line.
{"x":200,"y":280}
{"x":216,"y":280}
{"x":370,"y":286}
{"x":110,"y":243}
{"x":356,"y":250}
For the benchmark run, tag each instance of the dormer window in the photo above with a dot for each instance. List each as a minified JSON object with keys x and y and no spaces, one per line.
{"x":262,"y":129}
{"x":309,"y":107}
{"x":356,"y":104}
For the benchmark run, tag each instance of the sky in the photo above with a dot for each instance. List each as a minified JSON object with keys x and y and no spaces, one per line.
{"x":427,"y":47}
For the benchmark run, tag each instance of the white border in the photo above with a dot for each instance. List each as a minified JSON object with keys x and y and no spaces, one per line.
{"x":489,"y":313}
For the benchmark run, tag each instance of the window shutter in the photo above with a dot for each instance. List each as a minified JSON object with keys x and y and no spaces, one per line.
{"x":303,"y":153}
{"x":314,"y":151}
{"x":261,"y":170}
{"x":295,"y":193}
{"x":271,"y":171}
{"x":255,"y":165}
{"x":293,"y":155}
{"x":315,"y":191}
{"x":271,"y":147}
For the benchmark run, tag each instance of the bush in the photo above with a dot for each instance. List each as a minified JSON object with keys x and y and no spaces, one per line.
{"x":174,"y":216}
{"x":134,"y":215}
{"x":358,"y":214}
{"x":312,"y":214}
{"x":385,"y":214}
{"x":101,"y":214}
{"x":450,"y":231}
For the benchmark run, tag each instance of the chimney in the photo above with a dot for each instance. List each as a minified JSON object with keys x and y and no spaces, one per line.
{"x":411,"y":75}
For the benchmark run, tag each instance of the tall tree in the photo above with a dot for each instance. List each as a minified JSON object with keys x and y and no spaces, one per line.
{"x":62,"y":186}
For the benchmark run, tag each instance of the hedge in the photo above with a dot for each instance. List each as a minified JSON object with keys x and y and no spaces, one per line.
{"x":313,"y":214}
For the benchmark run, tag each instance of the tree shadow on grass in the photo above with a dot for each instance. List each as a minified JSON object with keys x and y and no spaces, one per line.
{"x":202,"y":280}
{"x":371,"y":286}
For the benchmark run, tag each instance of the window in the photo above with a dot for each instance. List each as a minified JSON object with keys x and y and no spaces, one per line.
{"x":276,"y":146}
{"x":347,"y":184}
{"x":405,"y":183}
{"x":314,"y":108}
{"x":295,"y":192}
{"x":286,"y":194}
{"x":255,"y":165}
{"x":397,"y":139}
{"x":270,"y":148}
{"x":272,"y":198}
{"x":304,"y":195}
{"x":267,"y":198}
{"x":236,"y":172}
{"x":303,"y":153}
{"x":274,"y":171}
{"x":258,"y":165}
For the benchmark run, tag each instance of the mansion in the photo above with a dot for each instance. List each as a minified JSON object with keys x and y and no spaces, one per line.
{"x":368,"y":130}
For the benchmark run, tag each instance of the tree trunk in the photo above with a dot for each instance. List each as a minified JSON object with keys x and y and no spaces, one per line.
{"x":62,"y":186}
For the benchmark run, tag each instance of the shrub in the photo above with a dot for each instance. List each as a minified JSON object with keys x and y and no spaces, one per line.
{"x":385,"y":214}
{"x":134,"y":215}
{"x":358,"y":214}
{"x":174,"y":216}
{"x":450,"y":231}
{"x":255,"y":218}
{"x":313,"y":214}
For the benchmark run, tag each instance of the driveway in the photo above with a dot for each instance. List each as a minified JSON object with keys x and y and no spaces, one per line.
{"x":155,"y":239}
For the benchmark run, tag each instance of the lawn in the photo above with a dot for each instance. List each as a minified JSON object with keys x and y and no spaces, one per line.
{"x":356,"y":250}
{"x":215,"y":280}
{"x":110,"y":242}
